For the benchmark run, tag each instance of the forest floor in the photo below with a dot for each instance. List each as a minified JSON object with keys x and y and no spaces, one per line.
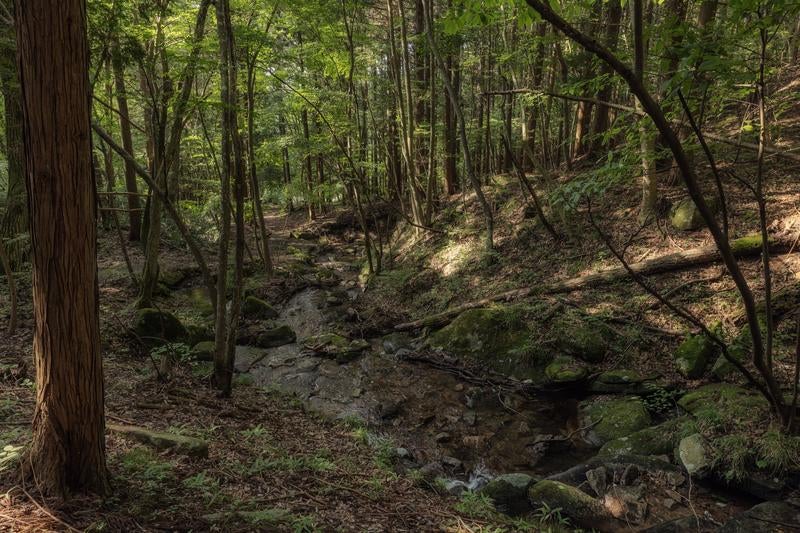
{"x":272,"y":464}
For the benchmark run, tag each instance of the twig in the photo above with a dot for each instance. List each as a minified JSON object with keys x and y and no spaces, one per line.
{"x":48,"y":513}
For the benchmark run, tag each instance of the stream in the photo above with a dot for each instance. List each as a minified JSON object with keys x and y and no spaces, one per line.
{"x":433,"y":416}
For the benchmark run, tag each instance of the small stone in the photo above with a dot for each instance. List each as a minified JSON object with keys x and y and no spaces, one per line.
{"x":669,"y":503}
{"x":455,"y":487}
{"x":357,"y":392}
{"x":442,"y":437}
{"x":510,"y":492}
{"x":675,"y":479}
{"x":402,"y":453}
{"x":451,"y":462}
{"x":333,"y":301}
{"x":459,"y":387}
{"x":470,"y":418}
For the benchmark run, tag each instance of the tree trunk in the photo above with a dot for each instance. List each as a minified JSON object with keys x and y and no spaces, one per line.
{"x":15,"y":221}
{"x":67,"y":453}
{"x":602,"y":116}
{"x":134,"y":205}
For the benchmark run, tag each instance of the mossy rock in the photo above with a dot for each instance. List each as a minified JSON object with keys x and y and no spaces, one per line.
{"x":301,"y":256}
{"x":203,"y":351}
{"x":576,"y":505}
{"x":685,"y":216}
{"x":619,"y":382}
{"x":156,"y":327}
{"x":172,"y":279}
{"x":275,"y":337}
{"x":585,"y":339}
{"x":336,"y":347}
{"x":607,"y":420}
{"x":199,"y":333}
{"x":565,"y":371}
{"x":510,"y":492}
{"x":496,"y":336}
{"x":740,"y":349}
{"x":258,"y":309}
{"x":694,"y":455}
{"x":694,"y":355}
{"x":725,"y":404}
{"x":199,"y":301}
{"x":656,"y":440}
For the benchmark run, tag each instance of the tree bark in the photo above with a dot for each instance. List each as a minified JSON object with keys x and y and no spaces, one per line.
{"x":15,"y":221}
{"x":134,"y":205}
{"x":67,"y":453}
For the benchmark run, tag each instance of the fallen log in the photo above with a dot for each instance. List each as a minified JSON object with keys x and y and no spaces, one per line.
{"x":748,"y":246}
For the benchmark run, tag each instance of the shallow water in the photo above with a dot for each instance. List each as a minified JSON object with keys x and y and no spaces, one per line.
{"x":429,"y":411}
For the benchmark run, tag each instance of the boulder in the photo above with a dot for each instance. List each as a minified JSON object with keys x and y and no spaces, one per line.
{"x":198,"y":333}
{"x":582,"y":509}
{"x":607,"y":420}
{"x":694,"y":355}
{"x":694,"y":456}
{"x":618,"y":382}
{"x":257,"y":309}
{"x":336,"y":347}
{"x":203,"y":351}
{"x":200,"y":302}
{"x":274,"y":337}
{"x":765,"y":517}
{"x":685,"y":216}
{"x":585,"y":339}
{"x":656,"y":440}
{"x":496,"y":336}
{"x":726,"y":402}
{"x":155,"y":327}
{"x":181,"y":444}
{"x":565,"y":371}
{"x":510,"y":492}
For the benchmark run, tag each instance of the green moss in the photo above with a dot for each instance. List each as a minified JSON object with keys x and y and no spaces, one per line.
{"x":747,"y":243}
{"x":614,"y":419}
{"x":199,"y":301}
{"x":256,"y":308}
{"x":565,"y":370}
{"x":694,"y":355}
{"x":656,"y":440}
{"x":156,"y":327}
{"x":724,"y":405}
{"x":573,"y":503}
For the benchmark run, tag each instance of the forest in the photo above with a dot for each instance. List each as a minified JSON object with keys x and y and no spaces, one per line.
{"x":400,"y":265}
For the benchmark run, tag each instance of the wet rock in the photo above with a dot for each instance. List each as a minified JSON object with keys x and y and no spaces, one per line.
{"x":565,"y":371}
{"x":455,"y":487}
{"x":272,"y":338}
{"x":431,"y":470}
{"x":581,"y":508}
{"x":395,"y":341}
{"x":618,"y":382}
{"x":163,"y":441}
{"x":257,"y":309}
{"x":156,"y":327}
{"x":693,"y":455}
{"x":765,"y":517}
{"x":597,"y":478}
{"x":336,"y":347}
{"x":607,"y":420}
{"x":694,"y":355}
{"x":203,"y":351}
{"x":510,"y":492}
{"x":452,"y":462}
{"x":656,"y":440}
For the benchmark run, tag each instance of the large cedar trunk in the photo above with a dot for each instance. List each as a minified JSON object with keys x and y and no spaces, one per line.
{"x":67,"y":453}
